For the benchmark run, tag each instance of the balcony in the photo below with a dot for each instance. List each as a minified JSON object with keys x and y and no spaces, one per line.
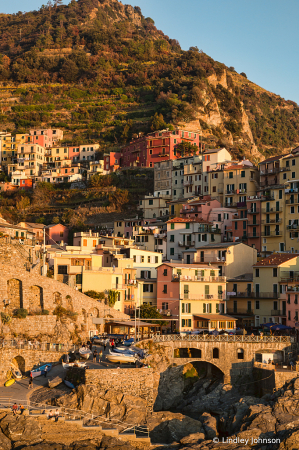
{"x":199,"y":278}
{"x":267,"y":198}
{"x":293,"y":227}
{"x":240,"y":311}
{"x":165,"y":312}
{"x":253,"y":236}
{"x":164,"y":154}
{"x":292,"y":201}
{"x":277,"y":312}
{"x":230,"y":192}
{"x":186,"y":244}
{"x":291,"y":289}
{"x":271,"y":221}
{"x":254,"y":295}
{"x":253,"y":211}
{"x":289,"y":278}
{"x":271,"y":210}
{"x":271,"y":233}
{"x":188,"y":183}
{"x":253,"y":224}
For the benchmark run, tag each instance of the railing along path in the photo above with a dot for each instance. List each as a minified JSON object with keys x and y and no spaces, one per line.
{"x":43,"y":346}
{"x":222,"y":338}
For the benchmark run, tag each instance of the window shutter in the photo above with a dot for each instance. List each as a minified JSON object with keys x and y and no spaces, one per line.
{"x":204,"y":307}
{"x":189,"y":307}
{"x":183,"y":307}
{"x":210,"y":308}
{"x":189,"y":322}
{"x":217,"y":307}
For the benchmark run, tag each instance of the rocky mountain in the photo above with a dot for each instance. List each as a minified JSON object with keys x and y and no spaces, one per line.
{"x":102,"y":71}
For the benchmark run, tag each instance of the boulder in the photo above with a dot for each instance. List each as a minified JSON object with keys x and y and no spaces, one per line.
{"x":192,"y":439}
{"x":209,"y":425}
{"x":296,"y":383}
{"x":54,"y":381}
{"x":5,"y":443}
{"x":21,"y":428}
{"x":167,"y":427}
{"x":111,"y":443}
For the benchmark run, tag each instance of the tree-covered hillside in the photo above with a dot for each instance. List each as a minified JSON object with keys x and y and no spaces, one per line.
{"x":102,"y":71}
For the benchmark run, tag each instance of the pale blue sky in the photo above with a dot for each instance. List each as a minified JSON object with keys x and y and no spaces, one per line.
{"x":258,"y":37}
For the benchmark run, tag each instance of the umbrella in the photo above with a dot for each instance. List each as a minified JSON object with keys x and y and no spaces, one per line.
{"x":268,"y":325}
{"x":280,"y":327}
{"x":215,"y":332}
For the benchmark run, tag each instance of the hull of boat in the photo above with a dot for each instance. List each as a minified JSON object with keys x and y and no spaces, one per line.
{"x":121,"y":358}
{"x":16,"y":374}
{"x":73,"y":364}
{"x":40,"y":370}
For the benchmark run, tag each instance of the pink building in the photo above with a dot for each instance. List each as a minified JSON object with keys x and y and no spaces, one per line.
{"x":45,"y":137}
{"x":56,"y":234}
{"x":147,"y":150}
{"x":199,"y":209}
{"x":112,"y":161}
{"x":168,"y":299}
{"x":74,"y":153}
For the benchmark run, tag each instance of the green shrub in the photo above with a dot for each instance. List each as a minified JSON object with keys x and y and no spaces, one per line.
{"x":20,"y":313}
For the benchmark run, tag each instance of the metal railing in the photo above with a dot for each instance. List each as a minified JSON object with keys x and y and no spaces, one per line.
{"x":278,"y":312}
{"x":222,"y":338}
{"x":70,"y":414}
{"x":245,"y":311}
{"x":42,"y":346}
{"x":255,"y":295}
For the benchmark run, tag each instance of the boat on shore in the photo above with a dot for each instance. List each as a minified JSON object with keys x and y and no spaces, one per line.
{"x":121,"y":358}
{"x":40,"y":370}
{"x":73,"y":364}
{"x":84,"y":352}
{"x":16,"y":373}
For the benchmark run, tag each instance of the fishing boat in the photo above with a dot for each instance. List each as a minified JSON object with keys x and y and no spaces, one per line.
{"x":40,"y":370}
{"x":9,"y":382}
{"x":16,"y":373}
{"x":124,"y":350}
{"x":73,"y":364}
{"x":84,"y":352}
{"x":69,"y":384}
{"x":129,"y":342}
{"x":121,"y":358}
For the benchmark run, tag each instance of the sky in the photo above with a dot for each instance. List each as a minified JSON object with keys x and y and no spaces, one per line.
{"x":258,"y":37}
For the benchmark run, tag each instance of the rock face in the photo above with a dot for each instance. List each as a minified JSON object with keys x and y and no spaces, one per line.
{"x":110,"y":404}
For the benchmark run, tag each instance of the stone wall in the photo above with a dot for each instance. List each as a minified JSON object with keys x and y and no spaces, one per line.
{"x":269,"y":380}
{"x":29,"y":290}
{"x":137,"y":382}
{"x":26,"y":359}
{"x":34,"y":325}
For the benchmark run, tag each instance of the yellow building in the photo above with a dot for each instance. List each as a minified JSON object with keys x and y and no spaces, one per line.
{"x":9,"y":147}
{"x":231,"y":258}
{"x":30,"y":160}
{"x":270,"y":280}
{"x":241,"y":300}
{"x":240,"y":180}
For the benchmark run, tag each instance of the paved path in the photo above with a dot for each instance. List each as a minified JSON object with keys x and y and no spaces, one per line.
{"x":19,"y":390}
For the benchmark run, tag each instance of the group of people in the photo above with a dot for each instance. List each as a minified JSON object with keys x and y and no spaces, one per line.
{"x":16,"y":408}
{"x":54,"y":414}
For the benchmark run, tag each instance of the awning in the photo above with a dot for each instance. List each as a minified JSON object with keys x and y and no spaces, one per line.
{"x":131,"y":323}
{"x":213,"y":317}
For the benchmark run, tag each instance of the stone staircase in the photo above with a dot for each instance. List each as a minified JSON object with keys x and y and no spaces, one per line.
{"x":130,"y":434}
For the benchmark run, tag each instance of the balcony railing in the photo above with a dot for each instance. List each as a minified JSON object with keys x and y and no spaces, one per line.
{"x":253,"y":236}
{"x":293,"y":227}
{"x":253,"y":224}
{"x":254,"y":295}
{"x":290,"y":201}
{"x":265,"y":198}
{"x":278,"y":312}
{"x":243,"y":311}
{"x":271,"y":233}
{"x":271,"y":210}
{"x":186,"y":243}
{"x":165,"y":312}
{"x":199,"y":278}
{"x":253,"y":211}
{"x":188,"y":183}
{"x":271,"y":221}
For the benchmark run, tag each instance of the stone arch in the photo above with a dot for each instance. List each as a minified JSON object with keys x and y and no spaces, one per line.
{"x":185,"y":352}
{"x":69,"y":303}
{"x":216,"y":353}
{"x":36,"y":300}
{"x":240,"y":353}
{"x":14,"y":295}
{"x":19,"y":362}
{"x":94,"y":312}
{"x":57,"y":298}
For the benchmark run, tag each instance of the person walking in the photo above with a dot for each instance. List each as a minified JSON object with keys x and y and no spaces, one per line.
{"x":30,"y":385}
{"x":14,"y":409}
{"x":100,"y":356}
{"x":90,"y":346}
{"x":21,"y":407}
{"x":46,"y":371}
{"x":56,"y":415}
{"x":95,"y":354}
{"x":104,"y":344}
{"x":112,"y":344}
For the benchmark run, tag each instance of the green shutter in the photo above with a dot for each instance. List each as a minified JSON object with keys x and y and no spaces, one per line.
{"x":202,"y":273}
{"x":189,"y":322}
{"x":189,"y":308}
{"x":183,"y":322}
{"x":207,"y":289}
{"x":217,"y":308}
{"x":204,"y":307}
{"x":210,"y":307}
{"x":196,"y":272}
{"x":183,"y":307}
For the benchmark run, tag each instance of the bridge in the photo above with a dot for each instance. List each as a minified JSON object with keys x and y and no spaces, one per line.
{"x":232,"y":355}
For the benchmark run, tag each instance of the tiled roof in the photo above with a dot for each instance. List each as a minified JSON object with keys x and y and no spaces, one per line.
{"x":183,"y":220}
{"x":276,"y":259}
{"x":273,"y":158}
{"x":35,"y":225}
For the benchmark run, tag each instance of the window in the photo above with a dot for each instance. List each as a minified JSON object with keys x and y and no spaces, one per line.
{"x":165,"y":289}
{"x":280,"y":194}
{"x":156,"y":259}
{"x":292,"y":210}
{"x":134,"y":258}
{"x":171,"y":251}
{"x":257,"y":304}
{"x":151,"y":202}
{"x":165,"y":272}
{"x":240,"y":353}
{"x":62,"y":270}
{"x":142,"y":259}
{"x":171,"y":238}
{"x":84,"y":242}
{"x":61,"y":234}
{"x":242,"y":173}
{"x":293,"y":174}
{"x":172,"y":226}
{"x":148,"y":288}
{"x":216,"y":351}
{"x":187,"y":226}
{"x":275,"y":272}
{"x":230,"y":175}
